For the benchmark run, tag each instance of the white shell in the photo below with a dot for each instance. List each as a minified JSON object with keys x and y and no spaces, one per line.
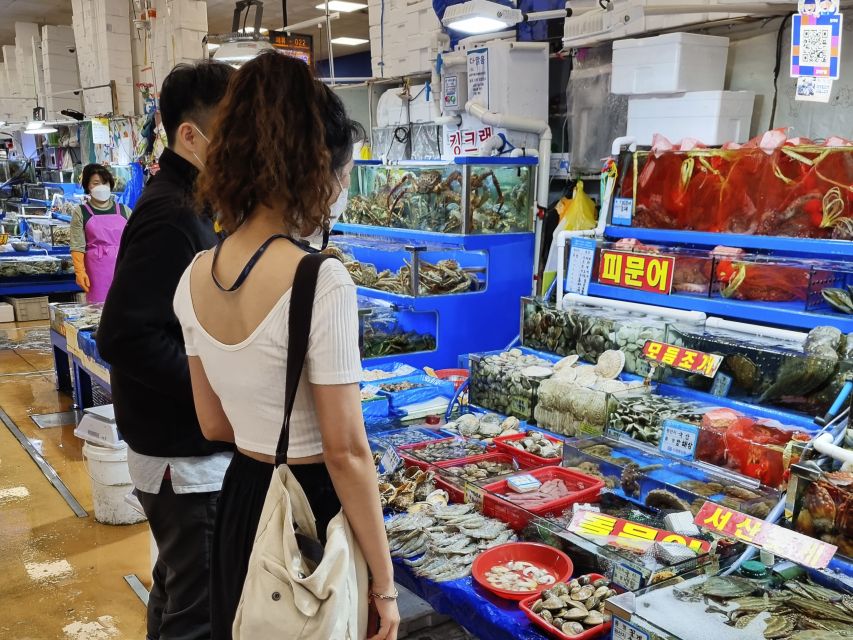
{"x":610,"y":364}
{"x":566,"y":363}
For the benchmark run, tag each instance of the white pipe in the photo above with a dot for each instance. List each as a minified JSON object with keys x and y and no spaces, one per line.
{"x":823,"y":445}
{"x":693,"y":317}
{"x":446,"y":120}
{"x":562,"y":239}
{"x":454,"y":59}
{"x":623,"y":141}
{"x":543,"y":130}
{"x":492,"y":143}
{"x":797,"y":337}
{"x":529,"y":46}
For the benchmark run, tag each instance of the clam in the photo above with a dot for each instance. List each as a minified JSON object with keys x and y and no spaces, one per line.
{"x":553,"y":604}
{"x":593,"y":619}
{"x":576,"y":615}
{"x":537,"y":607}
{"x":571,"y":628}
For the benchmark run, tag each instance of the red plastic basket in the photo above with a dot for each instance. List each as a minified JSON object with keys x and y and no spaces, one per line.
{"x":456,"y":376}
{"x":519,"y":454}
{"x":518,"y":517}
{"x":541,"y":555}
{"x":456,"y":492}
{"x":594,"y":632}
{"x":407,"y":454}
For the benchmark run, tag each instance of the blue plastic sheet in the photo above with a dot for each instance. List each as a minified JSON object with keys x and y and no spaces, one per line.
{"x":481,"y":613}
{"x":88,"y":345}
{"x":375,"y":408}
{"x":134,"y":186}
{"x":536,"y":30}
{"x":429,"y":388}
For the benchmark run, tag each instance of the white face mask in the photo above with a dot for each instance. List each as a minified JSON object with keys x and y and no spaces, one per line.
{"x":200,"y":161}
{"x":101,"y":193}
{"x":336,"y":210}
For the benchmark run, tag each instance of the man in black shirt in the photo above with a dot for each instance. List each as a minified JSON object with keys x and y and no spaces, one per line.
{"x":176,"y":472}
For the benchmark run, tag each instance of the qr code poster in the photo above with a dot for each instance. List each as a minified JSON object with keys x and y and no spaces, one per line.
{"x":816,"y":45}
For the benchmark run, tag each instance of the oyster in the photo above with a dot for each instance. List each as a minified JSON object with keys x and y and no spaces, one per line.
{"x":665,"y":501}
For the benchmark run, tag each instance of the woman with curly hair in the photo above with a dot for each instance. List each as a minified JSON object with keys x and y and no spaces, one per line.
{"x":277,"y":173}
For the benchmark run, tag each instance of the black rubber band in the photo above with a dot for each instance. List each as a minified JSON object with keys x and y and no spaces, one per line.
{"x":251,"y":263}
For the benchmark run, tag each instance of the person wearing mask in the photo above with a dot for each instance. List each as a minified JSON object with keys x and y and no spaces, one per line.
{"x":277,"y":173}
{"x":176,"y":471}
{"x":96,"y":228}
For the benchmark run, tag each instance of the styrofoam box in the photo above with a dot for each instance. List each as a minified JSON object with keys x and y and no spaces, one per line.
{"x":7,"y":313}
{"x":713,"y":117}
{"x":671,"y":63}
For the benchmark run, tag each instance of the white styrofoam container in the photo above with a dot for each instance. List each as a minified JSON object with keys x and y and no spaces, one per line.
{"x":671,"y":63}
{"x":7,"y":313}
{"x":712,"y":117}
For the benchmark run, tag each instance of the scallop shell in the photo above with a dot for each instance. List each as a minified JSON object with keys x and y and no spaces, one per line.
{"x":566,"y":363}
{"x":613,"y":386}
{"x":610,"y":364}
{"x":568,"y":374}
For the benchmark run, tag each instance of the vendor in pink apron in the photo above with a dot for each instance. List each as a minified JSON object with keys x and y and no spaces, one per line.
{"x":96,"y":229}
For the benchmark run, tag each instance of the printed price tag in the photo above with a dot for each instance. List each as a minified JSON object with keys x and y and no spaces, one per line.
{"x":679,"y":439}
{"x":474,"y":494}
{"x":581,"y":260}
{"x":626,"y":577}
{"x":623,"y":212}
{"x":604,"y":528}
{"x":764,"y":535}
{"x":519,"y":406}
{"x":722,"y":385}
{"x":389,"y":462}
{"x":816,"y":43}
{"x":689,"y":360}
{"x":813,"y":89}
{"x":636,"y":271}
{"x":626,"y":631}
{"x":369,"y":390}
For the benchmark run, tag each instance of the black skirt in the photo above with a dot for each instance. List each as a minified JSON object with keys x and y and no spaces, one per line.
{"x":238,"y":513}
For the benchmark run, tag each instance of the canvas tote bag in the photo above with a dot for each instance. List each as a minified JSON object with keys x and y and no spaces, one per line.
{"x":296,"y":588}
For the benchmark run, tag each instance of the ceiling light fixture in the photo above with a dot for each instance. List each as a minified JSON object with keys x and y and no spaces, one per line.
{"x":342,"y":6}
{"x":349,"y":42}
{"x":37,"y":127}
{"x":236,"y":53}
{"x":481,"y":16}
{"x":212,"y":46}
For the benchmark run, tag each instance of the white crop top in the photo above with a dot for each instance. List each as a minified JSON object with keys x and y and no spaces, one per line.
{"x":249,"y":376}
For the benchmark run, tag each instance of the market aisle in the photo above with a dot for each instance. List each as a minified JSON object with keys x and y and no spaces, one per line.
{"x":62,"y":575}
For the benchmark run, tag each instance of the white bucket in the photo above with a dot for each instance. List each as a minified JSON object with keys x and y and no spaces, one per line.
{"x":110,"y":483}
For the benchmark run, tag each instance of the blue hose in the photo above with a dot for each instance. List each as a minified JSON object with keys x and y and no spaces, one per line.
{"x":455,"y":399}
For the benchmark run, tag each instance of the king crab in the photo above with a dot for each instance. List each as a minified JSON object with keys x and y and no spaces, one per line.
{"x":427,"y":183}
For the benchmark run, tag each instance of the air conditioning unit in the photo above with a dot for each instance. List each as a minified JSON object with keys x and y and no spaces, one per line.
{"x":629,"y":18}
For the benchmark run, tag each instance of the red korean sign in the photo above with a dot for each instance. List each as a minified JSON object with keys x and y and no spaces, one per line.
{"x":688,"y":360}
{"x":636,"y":271}
{"x":764,"y":535}
{"x":592,"y":523}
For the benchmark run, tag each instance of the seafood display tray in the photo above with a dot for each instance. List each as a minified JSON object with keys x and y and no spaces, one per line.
{"x":501,"y":443}
{"x":595,"y":632}
{"x":397,"y":437}
{"x":455,"y":486}
{"x":648,"y":478}
{"x":615,"y":561}
{"x":777,"y":313}
{"x":495,"y":506}
{"x":409,"y":453}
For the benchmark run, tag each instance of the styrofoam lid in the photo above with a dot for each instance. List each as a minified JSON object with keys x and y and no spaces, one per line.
{"x":104,"y":412}
{"x":672,"y":39}
{"x":105,"y":454}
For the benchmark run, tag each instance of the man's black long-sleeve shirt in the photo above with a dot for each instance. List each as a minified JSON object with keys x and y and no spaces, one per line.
{"x":139,"y":334}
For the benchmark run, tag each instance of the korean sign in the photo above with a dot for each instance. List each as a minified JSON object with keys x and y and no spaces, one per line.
{"x":764,"y":535}
{"x":466,"y":142}
{"x":636,"y":271}
{"x":478,"y":76}
{"x":591,"y":523}
{"x":681,"y":358}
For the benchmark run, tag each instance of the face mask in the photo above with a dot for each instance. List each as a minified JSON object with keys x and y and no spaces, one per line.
{"x":200,"y":161}
{"x":101,"y":193}
{"x":321,"y":236}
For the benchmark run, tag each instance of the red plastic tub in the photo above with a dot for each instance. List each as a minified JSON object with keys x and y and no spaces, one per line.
{"x":593,"y":632}
{"x":520,"y":454}
{"x":408,"y":453}
{"x":456,"y":491}
{"x":456,"y":376}
{"x":541,"y":555}
{"x":582,"y":488}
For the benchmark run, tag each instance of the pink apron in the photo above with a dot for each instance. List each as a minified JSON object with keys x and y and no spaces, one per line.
{"x":103,"y":235}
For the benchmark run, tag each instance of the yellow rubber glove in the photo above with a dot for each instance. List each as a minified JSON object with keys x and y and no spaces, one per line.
{"x":78,"y":257}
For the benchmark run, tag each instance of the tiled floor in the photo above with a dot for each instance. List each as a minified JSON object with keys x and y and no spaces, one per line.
{"x":62,"y":576}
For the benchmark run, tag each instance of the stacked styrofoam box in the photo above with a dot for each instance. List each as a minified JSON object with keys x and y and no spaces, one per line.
{"x":25,"y":33}
{"x":11,"y":70}
{"x":403,"y":40}
{"x":117,"y":36}
{"x":675,"y":83}
{"x":60,"y":69}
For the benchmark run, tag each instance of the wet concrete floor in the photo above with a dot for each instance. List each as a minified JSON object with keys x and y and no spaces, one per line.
{"x":62,"y":576}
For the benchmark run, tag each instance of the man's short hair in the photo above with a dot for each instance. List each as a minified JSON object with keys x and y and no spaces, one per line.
{"x":191,"y":92}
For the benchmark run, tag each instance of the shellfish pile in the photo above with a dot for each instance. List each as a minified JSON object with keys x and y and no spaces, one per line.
{"x":630,"y":337}
{"x":484,"y":427}
{"x":574,"y":399}
{"x":482,"y":470}
{"x":548,"y":329}
{"x":446,"y":537}
{"x":537,"y":444}
{"x":519,"y":576}
{"x":442,"y":450}
{"x":642,"y":416}
{"x":507,"y":382}
{"x":402,"y":437}
{"x":575,"y":606}
{"x":407,"y":486}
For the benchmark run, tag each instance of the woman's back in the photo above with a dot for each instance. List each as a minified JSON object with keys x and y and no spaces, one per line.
{"x":241,"y":338}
